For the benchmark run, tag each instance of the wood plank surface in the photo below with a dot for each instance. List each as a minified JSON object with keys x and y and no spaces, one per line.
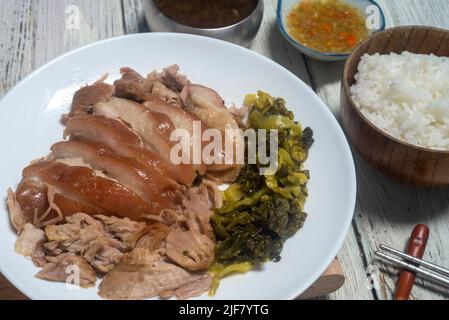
{"x":134,"y":17}
{"x":36,"y":31}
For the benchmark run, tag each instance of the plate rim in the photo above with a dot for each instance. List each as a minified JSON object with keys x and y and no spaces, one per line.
{"x":341,"y":136}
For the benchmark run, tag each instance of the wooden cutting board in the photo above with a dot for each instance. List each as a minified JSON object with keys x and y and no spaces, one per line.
{"x":8,"y":291}
{"x":330,"y":281}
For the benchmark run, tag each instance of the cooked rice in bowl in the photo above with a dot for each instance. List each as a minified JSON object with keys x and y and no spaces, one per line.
{"x":406,"y":95}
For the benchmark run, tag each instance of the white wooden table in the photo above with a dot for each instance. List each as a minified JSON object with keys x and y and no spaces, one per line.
{"x":35,"y":31}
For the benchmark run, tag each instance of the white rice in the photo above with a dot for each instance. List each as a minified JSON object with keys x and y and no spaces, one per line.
{"x":406,"y":95}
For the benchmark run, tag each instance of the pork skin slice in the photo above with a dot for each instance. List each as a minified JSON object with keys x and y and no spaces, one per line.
{"x":69,"y":207}
{"x":148,"y":183}
{"x":17,"y":215}
{"x":118,"y":137}
{"x":80,"y":184}
{"x":181,"y":120}
{"x":31,"y":196}
{"x":30,"y":202}
{"x":154,"y":129}
{"x":209,"y":107}
{"x":101,"y":129}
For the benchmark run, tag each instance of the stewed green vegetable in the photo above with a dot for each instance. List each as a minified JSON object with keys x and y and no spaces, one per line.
{"x":261,"y":211}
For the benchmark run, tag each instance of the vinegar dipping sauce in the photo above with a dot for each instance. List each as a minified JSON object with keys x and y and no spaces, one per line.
{"x":331,"y":26}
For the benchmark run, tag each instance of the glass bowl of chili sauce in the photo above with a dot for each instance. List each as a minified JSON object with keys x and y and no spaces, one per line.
{"x":328,"y":30}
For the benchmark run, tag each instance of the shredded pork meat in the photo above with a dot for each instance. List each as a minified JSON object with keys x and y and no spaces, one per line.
{"x":155,"y":238}
{"x":101,"y":240}
{"x":69,"y":268}
{"x":16,"y":214}
{"x":143,"y":274}
{"x":190,"y":249}
{"x":194,"y":288}
{"x":30,"y":243}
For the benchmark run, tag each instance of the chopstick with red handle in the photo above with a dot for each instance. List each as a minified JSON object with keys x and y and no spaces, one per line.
{"x":416,"y":247}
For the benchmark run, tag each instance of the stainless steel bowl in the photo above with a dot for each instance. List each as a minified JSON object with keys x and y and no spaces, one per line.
{"x":241,"y":33}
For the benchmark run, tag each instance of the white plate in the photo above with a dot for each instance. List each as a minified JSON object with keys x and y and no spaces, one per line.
{"x":29,"y":124}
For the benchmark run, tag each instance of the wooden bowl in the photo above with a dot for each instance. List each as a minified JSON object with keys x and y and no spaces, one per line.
{"x":399,"y":160}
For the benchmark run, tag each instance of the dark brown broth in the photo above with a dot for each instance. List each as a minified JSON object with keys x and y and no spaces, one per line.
{"x":206,"y":13}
